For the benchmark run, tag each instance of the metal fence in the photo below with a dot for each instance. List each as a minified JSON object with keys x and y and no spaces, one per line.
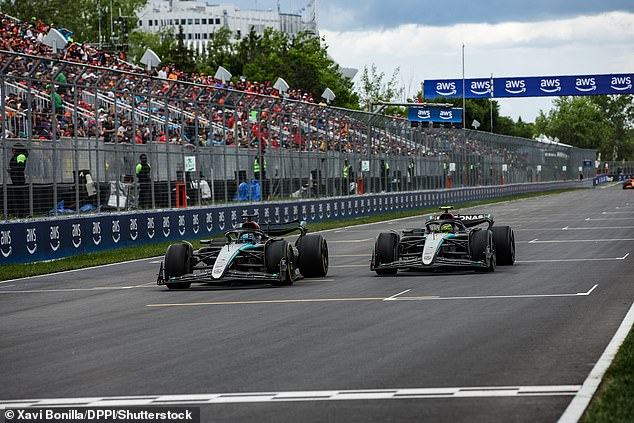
{"x":84,"y":138}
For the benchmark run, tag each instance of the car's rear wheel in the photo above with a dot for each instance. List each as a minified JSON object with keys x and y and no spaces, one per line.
{"x":178,"y":259}
{"x":313,"y":256}
{"x":481,"y":245}
{"x":274,"y":252}
{"x":385,"y":251}
{"x":504,"y":240}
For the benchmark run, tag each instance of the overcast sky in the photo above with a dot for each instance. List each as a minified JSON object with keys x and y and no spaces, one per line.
{"x":501,"y":37}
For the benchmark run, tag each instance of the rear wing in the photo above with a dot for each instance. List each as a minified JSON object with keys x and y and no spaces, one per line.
{"x":469,"y":220}
{"x":281,"y":229}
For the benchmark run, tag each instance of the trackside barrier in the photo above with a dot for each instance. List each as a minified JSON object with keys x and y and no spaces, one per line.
{"x":26,"y":241}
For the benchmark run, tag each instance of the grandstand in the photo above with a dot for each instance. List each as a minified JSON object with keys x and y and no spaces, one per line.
{"x":59,"y":103}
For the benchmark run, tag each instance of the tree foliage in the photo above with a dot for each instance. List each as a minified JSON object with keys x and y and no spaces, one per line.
{"x":373,"y":87}
{"x":83,"y":17}
{"x":603,"y":123}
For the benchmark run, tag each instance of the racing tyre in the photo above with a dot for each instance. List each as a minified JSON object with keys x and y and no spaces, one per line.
{"x":385,"y":252}
{"x":178,"y":263}
{"x":504,"y":240}
{"x":313,"y":256}
{"x":274,"y":252}
{"x":480,"y":242}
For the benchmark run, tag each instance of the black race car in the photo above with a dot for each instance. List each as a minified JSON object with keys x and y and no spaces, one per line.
{"x":448,"y":240}
{"x":247,"y":252}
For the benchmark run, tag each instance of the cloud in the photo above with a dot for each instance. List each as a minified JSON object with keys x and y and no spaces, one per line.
{"x":582,"y":45}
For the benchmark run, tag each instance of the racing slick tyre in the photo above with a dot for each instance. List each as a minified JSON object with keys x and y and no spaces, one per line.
{"x":178,"y":263}
{"x":385,"y":251}
{"x":274,"y":252}
{"x":504,"y":240}
{"x":482,"y":242}
{"x":313,"y":256}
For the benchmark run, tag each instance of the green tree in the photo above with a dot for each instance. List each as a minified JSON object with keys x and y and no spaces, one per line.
{"x":83,"y":17}
{"x":619,"y":111}
{"x":577,"y":121}
{"x":162,"y":43}
{"x":373,"y":87}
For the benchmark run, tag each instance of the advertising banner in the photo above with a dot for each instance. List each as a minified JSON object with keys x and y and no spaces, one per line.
{"x":434,"y":114}
{"x":532,"y":86}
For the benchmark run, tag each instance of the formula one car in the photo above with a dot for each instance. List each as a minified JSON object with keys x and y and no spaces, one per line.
{"x":247,"y":252}
{"x":628,"y":183}
{"x":447,"y":241}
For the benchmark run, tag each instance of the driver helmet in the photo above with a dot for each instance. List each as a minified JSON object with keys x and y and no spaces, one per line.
{"x":248,"y":237}
{"x":446,"y":228}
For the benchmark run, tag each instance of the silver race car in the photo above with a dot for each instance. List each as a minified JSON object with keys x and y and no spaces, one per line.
{"x":247,"y":252}
{"x":447,"y":241}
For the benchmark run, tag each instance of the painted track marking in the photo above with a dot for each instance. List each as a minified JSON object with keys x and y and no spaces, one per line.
{"x":393,"y":298}
{"x":325,"y":395}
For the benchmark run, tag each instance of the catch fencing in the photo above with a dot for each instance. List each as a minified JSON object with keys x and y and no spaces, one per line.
{"x":205,"y":144}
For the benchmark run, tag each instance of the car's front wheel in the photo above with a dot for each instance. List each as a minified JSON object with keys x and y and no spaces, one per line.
{"x":178,"y":259}
{"x":274,"y":253}
{"x":483,"y":249}
{"x":385,"y":251}
{"x":504,"y":240}
{"x":313,"y":256}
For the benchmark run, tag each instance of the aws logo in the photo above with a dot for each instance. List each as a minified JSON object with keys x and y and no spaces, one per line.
{"x":446,"y":88}
{"x":31,"y":240}
{"x":480,"y":87}
{"x":5,"y":243}
{"x":446,"y":114}
{"x":585,"y":84}
{"x":550,"y":85}
{"x":515,"y":86}
{"x":424,"y":114}
{"x":621,"y":83}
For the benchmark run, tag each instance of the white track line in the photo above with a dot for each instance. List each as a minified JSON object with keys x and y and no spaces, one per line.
{"x":327,"y":395}
{"x":577,"y":406}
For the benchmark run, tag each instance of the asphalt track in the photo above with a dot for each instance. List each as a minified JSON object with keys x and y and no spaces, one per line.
{"x":512,"y":346}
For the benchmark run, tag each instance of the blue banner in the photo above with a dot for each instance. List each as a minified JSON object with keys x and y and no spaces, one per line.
{"x":532,"y":86}
{"x":434,"y":114}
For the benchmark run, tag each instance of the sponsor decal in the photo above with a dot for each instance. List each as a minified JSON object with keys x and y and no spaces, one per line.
{"x":473,"y":216}
{"x":76,"y":234}
{"x":54,"y":238}
{"x":446,"y":88}
{"x":277,"y":215}
{"x":116,"y":231}
{"x":209,"y":221}
{"x":134,"y":229}
{"x":31,"y":240}
{"x":150,"y":227}
{"x":181,"y":224}
{"x":621,"y":83}
{"x":515,"y":86}
{"x":166,"y":226}
{"x":549,"y":85}
{"x":480,"y":87}
{"x":96,"y":233}
{"x":5,"y":243}
{"x":585,"y":84}
{"x":424,"y":114}
{"x":221,"y":220}
{"x":195,"y":223}
{"x":446,"y":114}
